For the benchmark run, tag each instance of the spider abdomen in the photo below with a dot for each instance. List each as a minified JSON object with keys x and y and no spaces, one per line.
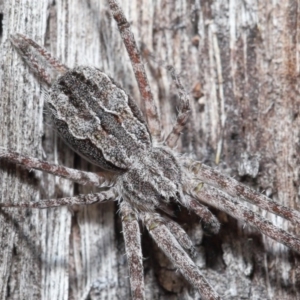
{"x":97,"y":118}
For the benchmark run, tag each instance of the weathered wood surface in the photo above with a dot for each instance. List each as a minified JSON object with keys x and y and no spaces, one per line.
{"x":240,"y":62}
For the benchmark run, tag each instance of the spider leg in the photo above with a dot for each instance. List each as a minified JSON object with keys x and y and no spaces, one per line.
{"x":222,"y":201}
{"x":38,"y":58}
{"x":210,"y":222}
{"x":76,"y":200}
{"x":81,"y":177}
{"x":138,"y":68}
{"x":183,"y":113}
{"x":170,"y":246}
{"x":180,"y":235}
{"x":237,"y":189}
{"x":184,"y":107}
{"x":132,"y":238}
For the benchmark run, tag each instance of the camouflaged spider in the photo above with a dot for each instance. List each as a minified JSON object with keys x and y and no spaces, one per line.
{"x":103,"y":124}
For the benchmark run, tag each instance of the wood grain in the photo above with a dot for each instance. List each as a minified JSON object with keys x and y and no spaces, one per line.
{"x":239,"y":60}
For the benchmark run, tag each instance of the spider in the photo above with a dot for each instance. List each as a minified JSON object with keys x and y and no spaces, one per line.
{"x":144,"y":175}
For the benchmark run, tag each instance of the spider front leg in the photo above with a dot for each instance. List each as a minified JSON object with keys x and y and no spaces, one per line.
{"x":132,"y":238}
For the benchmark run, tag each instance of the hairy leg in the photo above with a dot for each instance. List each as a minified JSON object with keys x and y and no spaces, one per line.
{"x":180,"y":235}
{"x":76,"y":200}
{"x":132,"y":238}
{"x":170,"y":246}
{"x":222,"y":201}
{"x":138,"y":68}
{"x":184,"y":106}
{"x":81,"y":177}
{"x":210,"y":222}
{"x":39,"y":59}
{"x":237,"y":189}
{"x":183,"y":112}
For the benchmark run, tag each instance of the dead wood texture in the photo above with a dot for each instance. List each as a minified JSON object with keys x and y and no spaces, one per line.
{"x":239,"y":60}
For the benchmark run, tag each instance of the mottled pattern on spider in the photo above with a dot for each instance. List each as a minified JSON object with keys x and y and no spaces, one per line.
{"x":104,"y":125}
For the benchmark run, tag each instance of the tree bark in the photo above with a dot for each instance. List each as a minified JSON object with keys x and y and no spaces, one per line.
{"x":239,"y":60}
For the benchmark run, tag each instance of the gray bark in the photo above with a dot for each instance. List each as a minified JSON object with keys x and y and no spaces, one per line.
{"x":240,"y":62}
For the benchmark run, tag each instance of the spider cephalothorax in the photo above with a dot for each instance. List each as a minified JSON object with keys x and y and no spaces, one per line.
{"x":153,"y":180}
{"x":104,"y":125}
